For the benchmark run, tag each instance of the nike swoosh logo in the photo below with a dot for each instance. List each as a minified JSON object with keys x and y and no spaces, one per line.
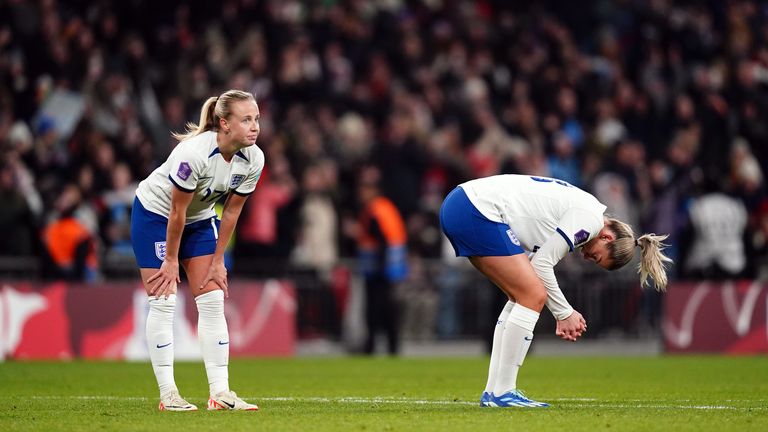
{"x":163,"y":346}
{"x":223,"y":343}
{"x":230,"y":405}
{"x":527,"y":338}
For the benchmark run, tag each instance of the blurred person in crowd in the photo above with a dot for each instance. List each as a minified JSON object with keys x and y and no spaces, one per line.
{"x":317,"y":242}
{"x":494,"y":220}
{"x":116,"y":217}
{"x":403,"y":158}
{"x":746,"y":175}
{"x":268,"y":214}
{"x":382,"y":257}
{"x":564,"y":163}
{"x":17,"y":221}
{"x":70,"y":246}
{"x":718,"y":222}
{"x":21,"y":142}
{"x":173,"y":223}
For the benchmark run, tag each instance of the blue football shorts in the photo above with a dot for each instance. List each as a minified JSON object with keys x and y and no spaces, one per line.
{"x":148,"y":232}
{"x":471,"y":233}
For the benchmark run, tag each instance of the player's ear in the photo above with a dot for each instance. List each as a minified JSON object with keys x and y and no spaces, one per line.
{"x":607,"y":234}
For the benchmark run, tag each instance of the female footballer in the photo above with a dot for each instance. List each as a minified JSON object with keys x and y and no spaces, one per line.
{"x":493,"y":220}
{"x":173,"y":223}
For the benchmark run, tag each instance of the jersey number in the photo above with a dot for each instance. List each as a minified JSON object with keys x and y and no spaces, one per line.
{"x":212,"y":196}
{"x":549,"y":180}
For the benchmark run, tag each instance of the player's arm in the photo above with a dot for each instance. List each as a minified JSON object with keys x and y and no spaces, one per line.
{"x":543,"y":262}
{"x":570,"y":323}
{"x":233,"y":206}
{"x":167,"y":278}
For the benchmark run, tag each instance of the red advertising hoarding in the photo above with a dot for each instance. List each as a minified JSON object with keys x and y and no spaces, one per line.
{"x":107,"y":321}
{"x":716,"y":317}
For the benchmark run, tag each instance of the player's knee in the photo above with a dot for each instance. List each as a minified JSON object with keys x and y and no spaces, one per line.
{"x":539,"y":296}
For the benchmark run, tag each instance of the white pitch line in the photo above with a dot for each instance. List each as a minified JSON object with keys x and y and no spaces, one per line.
{"x":673,"y":404}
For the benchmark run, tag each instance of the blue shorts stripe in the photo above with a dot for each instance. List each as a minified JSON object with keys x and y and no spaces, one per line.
{"x":471,"y":233}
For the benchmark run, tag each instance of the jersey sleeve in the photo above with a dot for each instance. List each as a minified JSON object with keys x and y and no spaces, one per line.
{"x":574,"y":229}
{"x":577,"y":226}
{"x":254,"y":174}
{"x":185,"y":169}
{"x":543,"y":262}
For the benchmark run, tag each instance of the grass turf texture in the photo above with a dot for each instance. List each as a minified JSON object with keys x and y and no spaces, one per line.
{"x":384,"y":394}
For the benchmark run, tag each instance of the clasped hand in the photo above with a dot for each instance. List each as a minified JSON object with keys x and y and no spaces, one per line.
{"x":572,"y":327}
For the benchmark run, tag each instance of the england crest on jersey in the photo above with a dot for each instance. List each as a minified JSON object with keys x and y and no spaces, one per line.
{"x":513,"y":237}
{"x":160,"y":250}
{"x":236,"y":180}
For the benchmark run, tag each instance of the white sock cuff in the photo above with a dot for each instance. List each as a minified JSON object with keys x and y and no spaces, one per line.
{"x":508,"y":307}
{"x":505,"y":311}
{"x":524,"y":317}
{"x":162,"y":302}
{"x":215,"y":296}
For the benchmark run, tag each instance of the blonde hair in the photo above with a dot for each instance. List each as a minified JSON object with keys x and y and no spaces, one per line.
{"x":652,"y":260}
{"x":215,"y":108}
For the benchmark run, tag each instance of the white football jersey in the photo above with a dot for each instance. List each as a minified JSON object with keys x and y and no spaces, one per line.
{"x":535,"y":207}
{"x":547,"y":216}
{"x":196,"y":165}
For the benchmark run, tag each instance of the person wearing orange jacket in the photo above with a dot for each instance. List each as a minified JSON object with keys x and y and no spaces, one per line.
{"x":382,"y":254}
{"x":70,"y":249}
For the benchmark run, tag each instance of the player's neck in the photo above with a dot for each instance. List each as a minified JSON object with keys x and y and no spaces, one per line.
{"x":227,"y":147}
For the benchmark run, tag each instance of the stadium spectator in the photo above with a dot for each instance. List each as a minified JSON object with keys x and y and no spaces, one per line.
{"x":719,"y":224}
{"x":317,"y":240}
{"x":116,"y":217}
{"x":382,"y":254}
{"x":16,"y":218}
{"x":70,"y":246}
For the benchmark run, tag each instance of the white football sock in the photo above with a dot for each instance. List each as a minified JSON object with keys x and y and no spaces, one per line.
{"x":515,"y":341}
{"x":214,"y":339}
{"x":160,"y":340}
{"x":493,"y":367}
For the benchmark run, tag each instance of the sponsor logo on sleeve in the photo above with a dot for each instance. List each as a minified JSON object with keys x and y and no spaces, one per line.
{"x":236,"y":180}
{"x":184,"y":171}
{"x":580,"y":237}
{"x":160,"y":250}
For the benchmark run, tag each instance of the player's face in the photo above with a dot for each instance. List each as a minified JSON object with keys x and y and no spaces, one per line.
{"x":596,"y":250}
{"x":243,"y":123}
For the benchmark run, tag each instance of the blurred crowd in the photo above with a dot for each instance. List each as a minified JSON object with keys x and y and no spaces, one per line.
{"x":658,"y":108}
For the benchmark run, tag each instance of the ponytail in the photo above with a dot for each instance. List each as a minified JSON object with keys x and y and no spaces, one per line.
{"x":215,"y":108}
{"x":653,"y":261}
{"x":207,"y":121}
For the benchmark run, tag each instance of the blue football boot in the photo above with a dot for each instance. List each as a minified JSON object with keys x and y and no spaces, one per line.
{"x":515,"y":398}
{"x":485,"y":399}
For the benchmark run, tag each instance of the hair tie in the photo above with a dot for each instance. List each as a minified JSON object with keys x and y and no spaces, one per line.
{"x":637,"y":242}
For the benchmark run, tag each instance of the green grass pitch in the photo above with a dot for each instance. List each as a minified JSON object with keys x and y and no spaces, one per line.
{"x":393,"y":394}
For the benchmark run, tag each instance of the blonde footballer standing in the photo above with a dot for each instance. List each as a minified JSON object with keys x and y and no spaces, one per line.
{"x":493,"y":220}
{"x":173,"y":223}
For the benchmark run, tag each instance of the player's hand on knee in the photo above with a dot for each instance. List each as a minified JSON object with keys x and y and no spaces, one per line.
{"x":217,"y":274}
{"x":165,"y":281}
